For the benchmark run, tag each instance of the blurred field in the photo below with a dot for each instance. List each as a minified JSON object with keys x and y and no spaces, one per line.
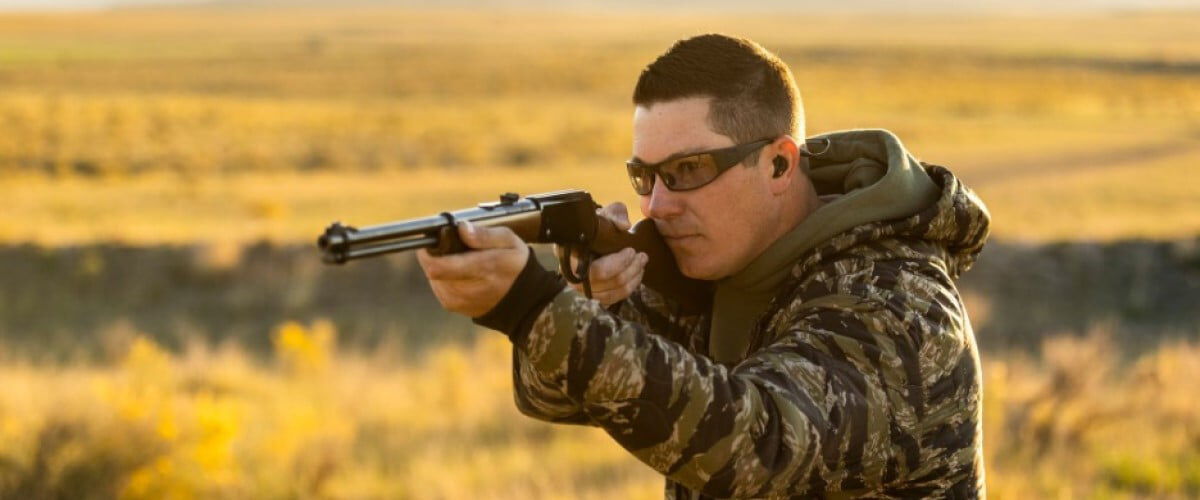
{"x":153,"y":126}
{"x":190,"y":133}
{"x":318,"y":424}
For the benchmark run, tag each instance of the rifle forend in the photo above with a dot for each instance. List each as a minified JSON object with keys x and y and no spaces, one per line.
{"x":565,"y":218}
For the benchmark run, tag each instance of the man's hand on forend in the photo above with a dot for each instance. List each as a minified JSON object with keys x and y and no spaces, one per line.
{"x":473,"y":282}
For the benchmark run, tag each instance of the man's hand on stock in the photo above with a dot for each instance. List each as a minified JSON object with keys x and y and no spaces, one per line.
{"x":615,"y":276}
{"x":473,"y":282}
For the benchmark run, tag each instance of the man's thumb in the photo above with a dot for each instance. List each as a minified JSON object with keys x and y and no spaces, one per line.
{"x":484,"y":237}
{"x":617,"y":213}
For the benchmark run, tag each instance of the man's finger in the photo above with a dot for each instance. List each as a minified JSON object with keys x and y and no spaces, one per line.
{"x":635,"y":267}
{"x":624,"y":275}
{"x":610,"y":297}
{"x":428,"y":263}
{"x":440,"y":268}
{"x":484,"y":237}
{"x":617,"y":213}
{"x":611,"y":265}
{"x":472,"y":265}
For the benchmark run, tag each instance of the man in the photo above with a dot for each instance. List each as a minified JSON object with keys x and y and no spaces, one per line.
{"x":837,"y":359}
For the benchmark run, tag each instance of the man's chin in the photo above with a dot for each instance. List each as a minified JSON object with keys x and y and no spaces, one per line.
{"x":691,"y":262}
{"x":695,"y":270}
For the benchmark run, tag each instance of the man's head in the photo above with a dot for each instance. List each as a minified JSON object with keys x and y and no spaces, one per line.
{"x":710,"y":92}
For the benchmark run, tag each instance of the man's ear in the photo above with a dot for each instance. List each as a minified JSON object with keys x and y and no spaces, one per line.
{"x":785,"y":161}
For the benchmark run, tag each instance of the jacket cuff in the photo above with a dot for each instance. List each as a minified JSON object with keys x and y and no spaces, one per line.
{"x":534,"y":288}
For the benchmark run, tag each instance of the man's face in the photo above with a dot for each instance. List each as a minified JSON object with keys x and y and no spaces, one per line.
{"x":715,"y":230}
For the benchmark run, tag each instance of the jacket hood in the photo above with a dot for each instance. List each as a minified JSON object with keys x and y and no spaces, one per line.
{"x":874,"y":189}
{"x":954,"y":219}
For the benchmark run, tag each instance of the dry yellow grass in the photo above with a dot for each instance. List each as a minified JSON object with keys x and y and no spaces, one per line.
{"x":312,"y":424}
{"x":1108,"y":200}
{"x":319,"y":424}
{"x":155,"y":126}
{"x":283,"y":207}
{"x":1092,"y":197}
{"x":228,"y":126}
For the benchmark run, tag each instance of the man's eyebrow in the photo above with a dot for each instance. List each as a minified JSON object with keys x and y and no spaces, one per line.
{"x":677,"y":154}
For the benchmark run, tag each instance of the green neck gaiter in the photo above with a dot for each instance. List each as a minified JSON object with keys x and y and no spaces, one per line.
{"x":869,"y":177}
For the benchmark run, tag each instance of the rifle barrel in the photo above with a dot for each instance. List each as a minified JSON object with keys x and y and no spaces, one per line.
{"x":341,"y":243}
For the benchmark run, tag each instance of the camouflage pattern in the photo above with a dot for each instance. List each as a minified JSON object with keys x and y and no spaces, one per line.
{"x":862,"y":378}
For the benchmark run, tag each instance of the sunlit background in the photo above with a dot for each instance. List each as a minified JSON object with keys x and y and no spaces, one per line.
{"x":168,"y":331}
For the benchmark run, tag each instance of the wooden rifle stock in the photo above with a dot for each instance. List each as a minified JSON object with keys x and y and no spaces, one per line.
{"x":662,"y":271}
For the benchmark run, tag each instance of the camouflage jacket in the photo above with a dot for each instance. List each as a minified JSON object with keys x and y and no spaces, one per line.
{"x":862,"y":378}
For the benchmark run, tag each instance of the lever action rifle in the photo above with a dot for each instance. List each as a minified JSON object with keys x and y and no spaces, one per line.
{"x":566,"y":218}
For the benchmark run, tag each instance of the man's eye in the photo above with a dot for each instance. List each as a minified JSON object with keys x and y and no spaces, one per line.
{"x":687,"y":167}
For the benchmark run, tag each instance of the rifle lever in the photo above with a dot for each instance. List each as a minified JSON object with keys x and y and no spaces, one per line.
{"x":580,"y":274}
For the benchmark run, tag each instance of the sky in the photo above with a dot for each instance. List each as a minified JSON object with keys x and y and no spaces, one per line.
{"x":891,"y":5}
{"x":53,"y":5}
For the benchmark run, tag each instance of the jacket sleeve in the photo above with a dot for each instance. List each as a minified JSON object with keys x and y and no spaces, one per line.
{"x":540,"y":398}
{"x":812,"y":411}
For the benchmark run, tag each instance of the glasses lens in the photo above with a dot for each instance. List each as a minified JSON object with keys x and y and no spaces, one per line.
{"x":641,"y":177}
{"x":689,"y":172}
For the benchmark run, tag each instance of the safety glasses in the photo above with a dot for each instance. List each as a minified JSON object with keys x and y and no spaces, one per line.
{"x":694,"y":170}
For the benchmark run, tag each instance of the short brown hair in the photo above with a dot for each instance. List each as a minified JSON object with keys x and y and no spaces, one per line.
{"x":753,"y":93}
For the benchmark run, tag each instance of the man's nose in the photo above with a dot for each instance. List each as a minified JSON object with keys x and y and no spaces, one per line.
{"x":663,"y":203}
